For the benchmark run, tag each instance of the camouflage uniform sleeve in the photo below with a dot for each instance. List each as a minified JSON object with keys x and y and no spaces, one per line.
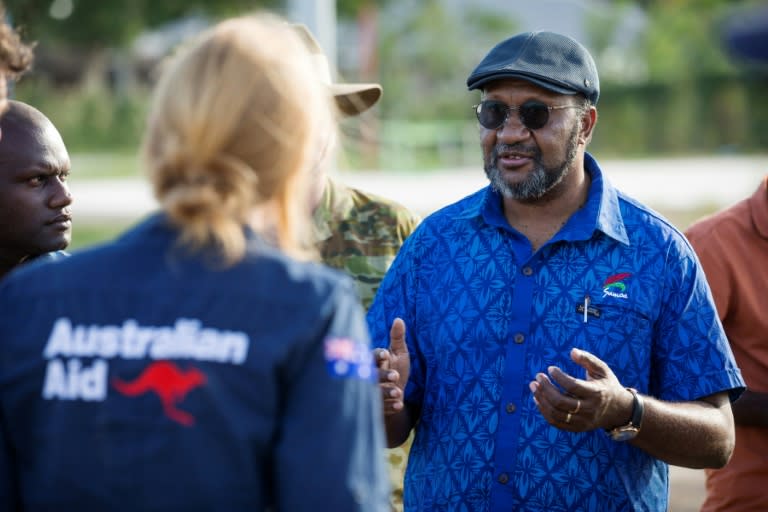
{"x":363,"y":233}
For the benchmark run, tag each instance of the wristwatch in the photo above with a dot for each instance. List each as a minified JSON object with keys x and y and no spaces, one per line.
{"x":631,"y":429}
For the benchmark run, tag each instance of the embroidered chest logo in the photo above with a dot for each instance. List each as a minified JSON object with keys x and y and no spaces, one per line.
{"x":614,"y":286}
{"x":169,"y":383}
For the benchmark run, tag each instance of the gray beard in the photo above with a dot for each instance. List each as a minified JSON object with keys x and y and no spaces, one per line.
{"x":541,"y":180}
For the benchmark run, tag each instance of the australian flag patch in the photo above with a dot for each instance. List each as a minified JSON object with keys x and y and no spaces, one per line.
{"x":345,"y":357}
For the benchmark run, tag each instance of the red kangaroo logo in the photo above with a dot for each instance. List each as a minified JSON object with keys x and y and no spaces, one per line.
{"x":168,"y":382}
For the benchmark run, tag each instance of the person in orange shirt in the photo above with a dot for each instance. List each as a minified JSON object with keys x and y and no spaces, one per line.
{"x":733,"y":248}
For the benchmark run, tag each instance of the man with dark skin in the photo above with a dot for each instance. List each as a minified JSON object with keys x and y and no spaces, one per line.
{"x":35,"y":216}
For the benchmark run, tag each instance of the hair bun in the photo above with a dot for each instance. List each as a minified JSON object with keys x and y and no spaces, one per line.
{"x":216,"y":192}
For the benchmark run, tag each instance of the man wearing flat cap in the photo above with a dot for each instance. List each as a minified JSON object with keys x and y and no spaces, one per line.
{"x":356,"y":231}
{"x":562,"y":345}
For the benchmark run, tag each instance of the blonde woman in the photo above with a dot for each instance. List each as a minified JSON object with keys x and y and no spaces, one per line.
{"x":196,"y":363}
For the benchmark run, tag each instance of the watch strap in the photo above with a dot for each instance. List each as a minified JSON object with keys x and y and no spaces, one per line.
{"x":631,"y":429}
{"x":638,"y":408}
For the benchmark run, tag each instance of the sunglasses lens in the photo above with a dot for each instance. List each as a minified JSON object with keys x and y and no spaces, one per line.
{"x":491,"y":114}
{"x":534,"y":114}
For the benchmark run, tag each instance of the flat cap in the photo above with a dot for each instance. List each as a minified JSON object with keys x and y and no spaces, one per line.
{"x":550,"y":60}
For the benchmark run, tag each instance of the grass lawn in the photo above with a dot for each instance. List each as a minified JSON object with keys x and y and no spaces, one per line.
{"x":104,"y":165}
{"x":89,"y":233}
{"x":100,"y":166}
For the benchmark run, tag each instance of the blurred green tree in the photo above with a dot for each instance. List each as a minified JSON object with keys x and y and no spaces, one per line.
{"x":421,"y":55}
{"x":99,"y":23}
{"x":96,"y":23}
{"x":683,"y":39}
{"x":674,"y":91}
{"x":693,"y":95}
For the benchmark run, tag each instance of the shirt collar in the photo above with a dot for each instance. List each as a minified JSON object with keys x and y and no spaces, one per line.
{"x":604,"y":199}
{"x":758,"y":205}
{"x":600,"y":212}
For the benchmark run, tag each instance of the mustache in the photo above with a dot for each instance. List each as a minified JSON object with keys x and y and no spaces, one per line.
{"x":501,"y":148}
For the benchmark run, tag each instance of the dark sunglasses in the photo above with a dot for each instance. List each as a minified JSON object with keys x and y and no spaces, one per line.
{"x":533,"y":113}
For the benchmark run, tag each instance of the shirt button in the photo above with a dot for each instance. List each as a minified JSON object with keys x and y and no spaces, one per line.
{"x":527,"y":271}
{"x":503,"y":478}
{"x":510,"y":408}
{"x":519,"y":338}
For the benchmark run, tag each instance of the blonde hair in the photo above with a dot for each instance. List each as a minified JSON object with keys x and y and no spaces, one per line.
{"x":15,"y":56}
{"x":238,"y":119}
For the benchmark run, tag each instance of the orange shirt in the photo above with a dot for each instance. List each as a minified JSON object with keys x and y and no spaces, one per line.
{"x":733,"y":248}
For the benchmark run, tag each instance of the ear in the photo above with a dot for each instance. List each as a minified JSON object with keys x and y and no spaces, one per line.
{"x":588,"y":122}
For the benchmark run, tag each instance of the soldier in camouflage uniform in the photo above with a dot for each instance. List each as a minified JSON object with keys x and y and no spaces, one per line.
{"x":358,"y":232}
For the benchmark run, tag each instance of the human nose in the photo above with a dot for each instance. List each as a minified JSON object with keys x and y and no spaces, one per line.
{"x":513,"y":127}
{"x":61,"y":196}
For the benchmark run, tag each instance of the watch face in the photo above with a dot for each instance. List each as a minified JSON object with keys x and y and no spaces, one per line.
{"x":624,"y":433}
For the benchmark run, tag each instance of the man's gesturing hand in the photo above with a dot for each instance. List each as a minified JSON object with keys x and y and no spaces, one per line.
{"x":394,"y":366}
{"x":580,"y":405}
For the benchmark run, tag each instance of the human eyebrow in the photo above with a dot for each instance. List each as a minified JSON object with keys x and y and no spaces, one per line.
{"x":40,"y":172}
{"x":47,"y":168}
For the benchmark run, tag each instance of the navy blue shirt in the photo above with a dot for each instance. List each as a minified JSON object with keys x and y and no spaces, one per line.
{"x":135,"y":377}
{"x":484,"y":314}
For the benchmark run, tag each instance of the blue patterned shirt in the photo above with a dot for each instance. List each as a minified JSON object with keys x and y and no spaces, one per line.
{"x":484,"y":314}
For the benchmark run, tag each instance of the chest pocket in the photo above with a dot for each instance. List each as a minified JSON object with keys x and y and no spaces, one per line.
{"x":621,"y":335}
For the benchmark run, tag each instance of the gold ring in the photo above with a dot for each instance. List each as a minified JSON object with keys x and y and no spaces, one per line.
{"x":568,"y":418}
{"x":578,"y":407}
